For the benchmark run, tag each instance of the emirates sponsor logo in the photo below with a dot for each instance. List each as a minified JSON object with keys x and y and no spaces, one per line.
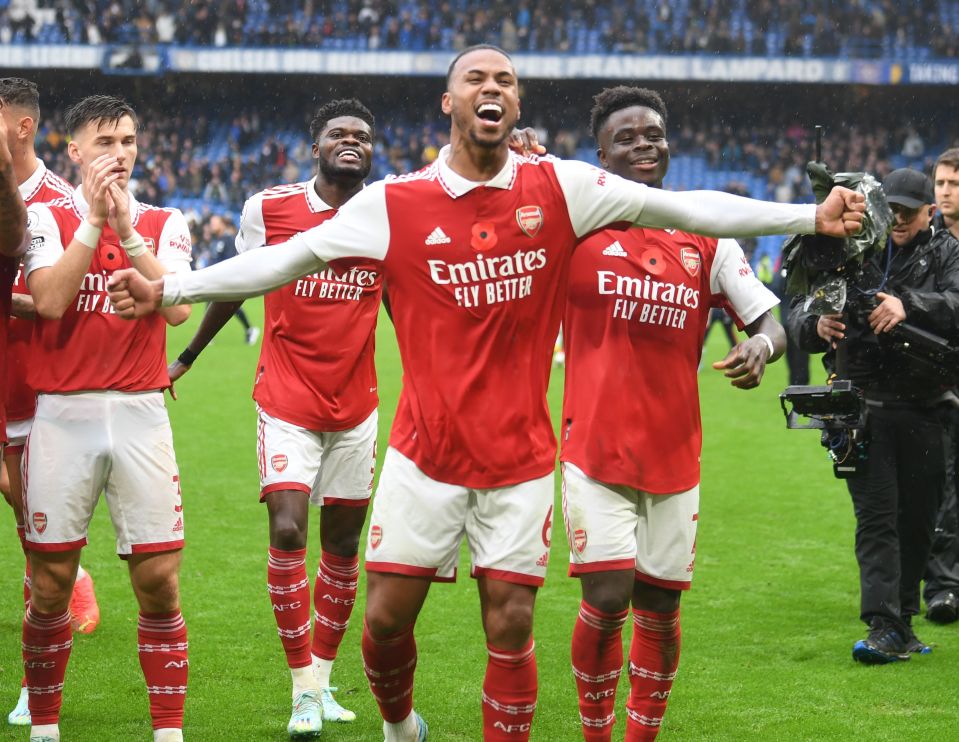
{"x":664,"y":292}
{"x":579,"y":540}
{"x":279,"y":462}
{"x":692,"y":260}
{"x":376,"y":536}
{"x":330,"y":285}
{"x":529,"y":219}
{"x":615,"y":250}
{"x":40,"y":522}
{"x":489,"y":280}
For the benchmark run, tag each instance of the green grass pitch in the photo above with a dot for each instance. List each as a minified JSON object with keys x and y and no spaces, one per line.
{"x":767,"y":628}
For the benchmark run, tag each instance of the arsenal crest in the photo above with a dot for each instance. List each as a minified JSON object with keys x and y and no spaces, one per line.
{"x":529,"y":219}
{"x":279,"y":462}
{"x":579,"y":540}
{"x":40,"y":522}
{"x":151,"y":245}
{"x":691,"y":259}
{"x":376,"y":536}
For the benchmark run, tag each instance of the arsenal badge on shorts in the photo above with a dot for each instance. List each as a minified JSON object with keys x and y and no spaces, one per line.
{"x":376,"y":536}
{"x":579,"y":540}
{"x":40,"y":522}
{"x":691,"y":260}
{"x":279,"y":462}
{"x":530,"y":219}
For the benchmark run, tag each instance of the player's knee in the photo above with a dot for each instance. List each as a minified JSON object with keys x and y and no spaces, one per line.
{"x":50,"y":587}
{"x":287,"y":533}
{"x":608,"y":600}
{"x":510,"y":625}
{"x":657,"y":599}
{"x":381,"y":622}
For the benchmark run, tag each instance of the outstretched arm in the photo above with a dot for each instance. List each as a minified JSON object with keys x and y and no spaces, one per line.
{"x":250,"y":274}
{"x":725,"y":215}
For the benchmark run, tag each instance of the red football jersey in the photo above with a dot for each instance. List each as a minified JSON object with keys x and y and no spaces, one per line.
{"x":476,"y":274}
{"x":41,"y":187}
{"x":90,"y":348}
{"x":316,"y":366}
{"x":633,"y":329}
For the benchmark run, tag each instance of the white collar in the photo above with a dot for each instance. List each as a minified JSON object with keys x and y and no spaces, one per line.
{"x":30,"y":185}
{"x":316,"y":203}
{"x":83,"y":208}
{"x":456,"y":185}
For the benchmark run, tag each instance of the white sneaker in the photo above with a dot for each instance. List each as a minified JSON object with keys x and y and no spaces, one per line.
{"x":332,"y":711}
{"x":307,"y":717}
{"x":20,"y":716}
{"x":252,"y":335}
{"x":45,"y":733}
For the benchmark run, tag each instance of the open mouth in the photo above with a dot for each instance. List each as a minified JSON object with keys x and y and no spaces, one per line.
{"x":490,"y":113}
{"x":348,"y":155}
{"x":645,"y":163}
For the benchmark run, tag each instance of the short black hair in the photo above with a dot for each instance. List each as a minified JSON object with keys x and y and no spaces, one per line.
{"x":335,"y":109}
{"x":16,"y":91}
{"x":949,"y":158}
{"x":610,"y":100}
{"x":470,"y":50}
{"x":99,"y":109}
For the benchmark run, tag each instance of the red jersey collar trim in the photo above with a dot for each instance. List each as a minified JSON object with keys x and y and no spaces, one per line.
{"x":456,"y":185}
{"x":82,"y":208}
{"x":31,"y":185}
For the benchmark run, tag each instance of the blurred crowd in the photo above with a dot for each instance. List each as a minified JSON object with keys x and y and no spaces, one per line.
{"x":859,"y":28}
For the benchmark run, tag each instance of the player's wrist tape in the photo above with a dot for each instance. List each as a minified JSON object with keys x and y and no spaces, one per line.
{"x":769,"y":343}
{"x":134,"y":245}
{"x":187,"y":357}
{"x":87,"y":234}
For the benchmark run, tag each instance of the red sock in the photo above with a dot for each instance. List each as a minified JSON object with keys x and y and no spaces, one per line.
{"x":162,"y":645}
{"x":390,"y":663}
{"x":290,"y":595}
{"x":334,"y":594}
{"x":597,"y":664}
{"x":653,"y":659}
{"x":47,"y":640}
{"x":509,"y":693}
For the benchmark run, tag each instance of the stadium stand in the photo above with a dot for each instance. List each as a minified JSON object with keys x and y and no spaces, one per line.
{"x":807,"y":28}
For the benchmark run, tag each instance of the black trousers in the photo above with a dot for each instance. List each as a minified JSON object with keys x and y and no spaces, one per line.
{"x":896,"y":500}
{"x":942,"y":571}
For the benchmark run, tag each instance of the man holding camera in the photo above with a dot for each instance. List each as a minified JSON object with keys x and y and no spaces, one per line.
{"x":897,"y":491}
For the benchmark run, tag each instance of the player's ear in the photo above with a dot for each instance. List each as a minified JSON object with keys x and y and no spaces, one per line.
{"x":25,"y":128}
{"x":316,"y":151}
{"x":74,"y":151}
{"x":602,"y":157}
{"x":446,"y":103}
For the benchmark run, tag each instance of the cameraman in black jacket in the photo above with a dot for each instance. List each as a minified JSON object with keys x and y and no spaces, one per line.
{"x":897,"y":494}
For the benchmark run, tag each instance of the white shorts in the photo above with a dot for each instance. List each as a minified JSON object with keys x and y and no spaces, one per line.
{"x":418,"y":524}
{"x":333,"y":468}
{"x":17,"y":432}
{"x":112,"y":442}
{"x":613,"y":527}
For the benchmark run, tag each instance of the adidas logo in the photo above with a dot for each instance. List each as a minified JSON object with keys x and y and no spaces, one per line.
{"x":438,"y":237}
{"x":616,"y":250}
{"x":179,"y":525}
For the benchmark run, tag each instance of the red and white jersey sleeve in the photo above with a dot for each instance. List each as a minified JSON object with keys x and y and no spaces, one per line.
{"x":637,"y":313}
{"x":90,"y":348}
{"x":316,"y":367}
{"x":41,"y":187}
